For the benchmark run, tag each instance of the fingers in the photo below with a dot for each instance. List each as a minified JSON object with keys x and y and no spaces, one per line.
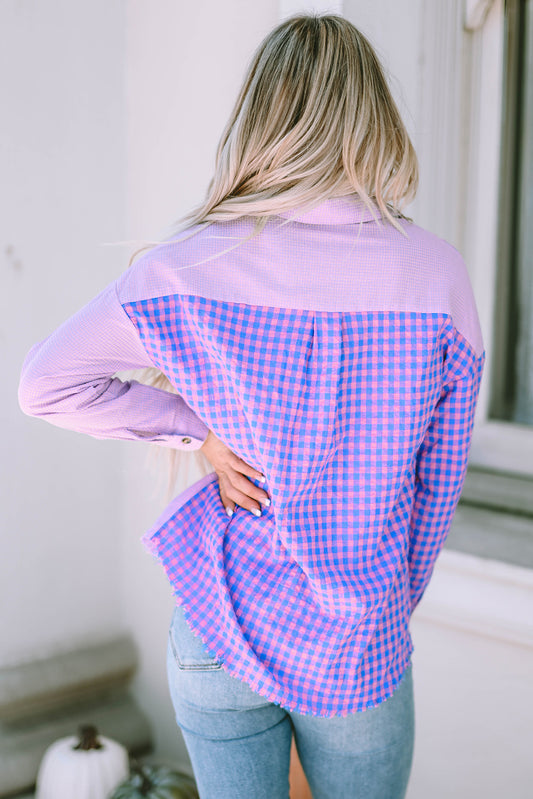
{"x":235,"y":489}
{"x":238,"y":465}
{"x":241,"y":483}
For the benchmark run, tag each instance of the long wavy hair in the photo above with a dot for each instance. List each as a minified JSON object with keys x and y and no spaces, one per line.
{"x":314,"y":119}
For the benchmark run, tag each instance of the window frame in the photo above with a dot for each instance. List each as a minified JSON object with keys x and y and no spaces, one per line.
{"x":497,"y":445}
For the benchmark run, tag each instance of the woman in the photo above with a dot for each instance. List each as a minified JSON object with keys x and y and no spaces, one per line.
{"x":315,"y":336}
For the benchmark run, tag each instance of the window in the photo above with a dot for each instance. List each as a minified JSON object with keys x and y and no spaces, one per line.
{"x":495,"y":244}
{"x":512,"y":377}
{"x":495,"y":518}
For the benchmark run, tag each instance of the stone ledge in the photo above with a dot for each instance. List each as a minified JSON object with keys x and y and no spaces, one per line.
{"x":480,"y":596}
{"x":49,"y":698}
{"x":499,"y":491}
{"x":44,"y":684}
{"x":492,"y":534}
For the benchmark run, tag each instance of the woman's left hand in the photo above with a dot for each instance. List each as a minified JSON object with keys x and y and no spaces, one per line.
{"x":233,"y":473}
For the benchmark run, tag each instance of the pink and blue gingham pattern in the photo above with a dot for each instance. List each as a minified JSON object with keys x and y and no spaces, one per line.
{"x":313,"y":599}
{"x":340,"y":358}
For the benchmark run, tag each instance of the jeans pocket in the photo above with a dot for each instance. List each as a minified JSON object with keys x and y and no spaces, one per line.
{"x":188,"y":649}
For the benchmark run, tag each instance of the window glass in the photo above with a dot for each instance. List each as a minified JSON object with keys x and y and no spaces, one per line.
{"x":513,"y":345}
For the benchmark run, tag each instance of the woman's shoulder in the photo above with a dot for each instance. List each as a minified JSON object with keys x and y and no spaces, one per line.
{"x":440,"y":262}
{"x":436,"y":271}
{"x":432,"y":246}
{"x":165,"y":267}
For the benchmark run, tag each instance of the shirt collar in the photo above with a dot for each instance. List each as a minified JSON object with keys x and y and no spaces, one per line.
{"x":335,"y":211}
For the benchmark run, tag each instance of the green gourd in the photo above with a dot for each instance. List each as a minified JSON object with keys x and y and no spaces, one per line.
{"x":156,"y":782}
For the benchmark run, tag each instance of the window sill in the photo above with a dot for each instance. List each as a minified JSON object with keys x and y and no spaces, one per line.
{"x":498,"y":491}
{"x":495,"y":518}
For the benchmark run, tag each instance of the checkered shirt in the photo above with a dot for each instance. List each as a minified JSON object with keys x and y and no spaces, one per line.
{"x":339,"y":357}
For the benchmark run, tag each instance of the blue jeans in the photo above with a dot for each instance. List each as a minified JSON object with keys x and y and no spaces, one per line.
{"x":239,"y":743}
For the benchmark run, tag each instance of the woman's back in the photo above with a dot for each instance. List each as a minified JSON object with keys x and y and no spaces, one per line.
{"x":342,"y":359}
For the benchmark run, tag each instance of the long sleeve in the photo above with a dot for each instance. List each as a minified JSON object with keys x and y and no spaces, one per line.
{"x":68,"y":379}
{"x":441,"y":470}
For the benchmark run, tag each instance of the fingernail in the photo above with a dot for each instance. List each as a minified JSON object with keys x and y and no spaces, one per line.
{"x":262,"y":478}
{"x":265,"y":502}
{"x":256,"y":512}
{"x":229,"y":511}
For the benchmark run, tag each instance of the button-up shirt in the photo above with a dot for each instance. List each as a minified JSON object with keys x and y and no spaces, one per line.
{"x":340,"y":357}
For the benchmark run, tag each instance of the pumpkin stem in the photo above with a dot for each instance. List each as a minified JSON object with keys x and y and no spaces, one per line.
{"x":146,"y":784}
{"x":88,"y":738}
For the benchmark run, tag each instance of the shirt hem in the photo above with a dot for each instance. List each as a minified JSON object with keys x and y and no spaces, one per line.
{"x":149,"y":539}
{"x":324,"y":702}
{"x":280,"y":697}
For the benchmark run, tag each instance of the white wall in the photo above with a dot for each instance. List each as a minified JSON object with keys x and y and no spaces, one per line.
{"x":393,"y":29}
{"x":472,"y":665}
{"x":185,"y":64}
{"x":61,"y":195}
{"x":425,"y":53}
{"x":473,"y":704}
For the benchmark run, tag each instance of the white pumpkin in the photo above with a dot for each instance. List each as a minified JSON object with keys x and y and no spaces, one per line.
{"x":85,"y":767}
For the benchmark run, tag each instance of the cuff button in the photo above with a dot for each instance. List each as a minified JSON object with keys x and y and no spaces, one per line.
{"x":186,"y":440}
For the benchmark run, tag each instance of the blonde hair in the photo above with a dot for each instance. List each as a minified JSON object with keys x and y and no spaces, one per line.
{"x":314,"y":119}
